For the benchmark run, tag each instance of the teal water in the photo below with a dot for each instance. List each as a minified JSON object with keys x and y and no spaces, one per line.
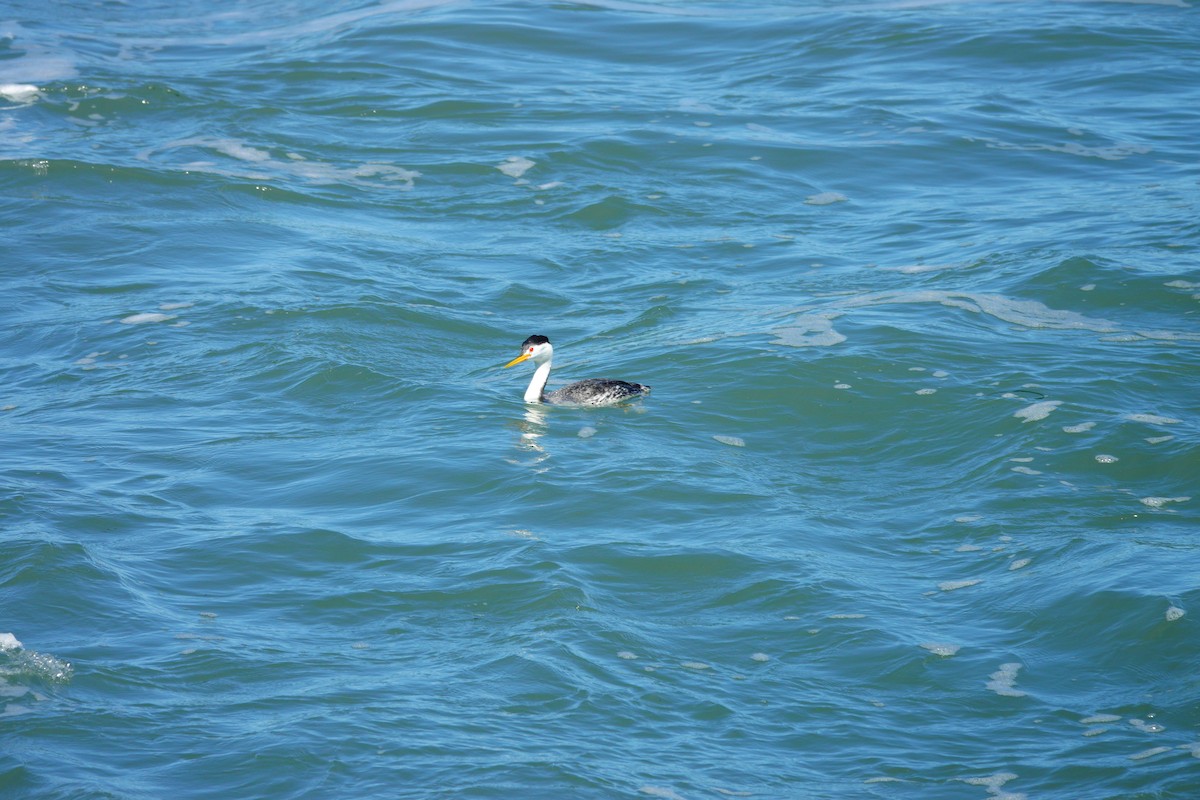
{"x":910,"y":513}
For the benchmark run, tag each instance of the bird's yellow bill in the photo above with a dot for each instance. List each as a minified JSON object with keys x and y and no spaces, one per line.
{"x":517,"y":360}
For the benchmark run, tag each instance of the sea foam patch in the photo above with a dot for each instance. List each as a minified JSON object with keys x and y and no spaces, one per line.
{"x":825,"y":198}
{"x":19,"y":92}
{"x":941,"y":648}
{"x":1153,"y":419}
{"x":17,"y":661}
{"x":245,"y":161}
{"x":1100,"y":719}
{"x":1004,"y":680}
{"x":1161,"y":502}
{"x":1153,"y":751}
{"x":147,"y":317}
{"x":516,"y":166}
{"x":809,"y":330}
{"x":1037,"y":411}
{"x":995,"y":785}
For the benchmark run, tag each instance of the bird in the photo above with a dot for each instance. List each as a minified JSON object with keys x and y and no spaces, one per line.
{"x":590,"y":392}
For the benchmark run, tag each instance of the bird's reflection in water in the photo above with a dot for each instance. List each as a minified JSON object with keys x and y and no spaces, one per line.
{"x":533,"y":428}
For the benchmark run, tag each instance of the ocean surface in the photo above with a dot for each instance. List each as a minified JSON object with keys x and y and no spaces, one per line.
{"x":912,"y":512}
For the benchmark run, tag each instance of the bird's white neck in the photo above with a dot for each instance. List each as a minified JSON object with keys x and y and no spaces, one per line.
{"x":538,"y":384}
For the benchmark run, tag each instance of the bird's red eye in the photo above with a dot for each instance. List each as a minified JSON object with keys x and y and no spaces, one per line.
{"x":531,"y":349}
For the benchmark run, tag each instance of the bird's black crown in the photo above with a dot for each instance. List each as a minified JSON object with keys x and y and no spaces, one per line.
{"x":537,"y":338}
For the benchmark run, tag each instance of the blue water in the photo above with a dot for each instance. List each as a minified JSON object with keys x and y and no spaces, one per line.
{"x":910,"y":513}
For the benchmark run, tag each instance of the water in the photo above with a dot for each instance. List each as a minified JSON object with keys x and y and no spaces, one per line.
{"x":911,"y":511}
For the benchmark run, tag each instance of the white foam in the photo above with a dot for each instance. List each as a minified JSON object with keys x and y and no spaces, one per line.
{"x":242,"y":151}
{"x":693,"y":105}
{"x":1182,"y":284}
{"x":174,"y":306}
{"x":9,"y":642}
{"x":732,"y":441}
{"x":1027,"y":470}
{"x":660,"y":791}
{"x":694,"y":665}
{"x":586,"y":432}
{"x":926,"y":391}
{"x":516,"y":166}
{"x":825,"y":198}
{"x":256,"y":164}
{"x":1027,"y":313}
{"x":1037,"y":411}
{"x":966,"y":518}
{"x":759,"y":657}
{"x":1104,"y":458}
{"x":1158,"y":439}
{"x":1146,"y":727}
{"x":841,"y":386}
{"x":1174,"y":613}
{"x":941,"y":649}
{"x":1153,"y":751}
{"x":19,"y":92}
{"x":1004,"y":681}
{"x":953,"y":586}
{"x":917,"y":269}
{"x":1153,"y":419}
{"x":1100,"y":719}
{"x":628,"y":656}
{"x":141,"y":319}
{"x":1159,"y":502}
{"x":967,"y":548}
{"x":993,"y":783}
{"x":1082,"y":427}
{"x":1020,"y":563}
{"x":809,"y":330}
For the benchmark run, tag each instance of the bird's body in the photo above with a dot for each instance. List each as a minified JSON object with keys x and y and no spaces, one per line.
{"x":591,"y":392}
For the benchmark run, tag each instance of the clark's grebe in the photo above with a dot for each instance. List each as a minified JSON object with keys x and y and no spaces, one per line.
{"x":592,"y":392}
